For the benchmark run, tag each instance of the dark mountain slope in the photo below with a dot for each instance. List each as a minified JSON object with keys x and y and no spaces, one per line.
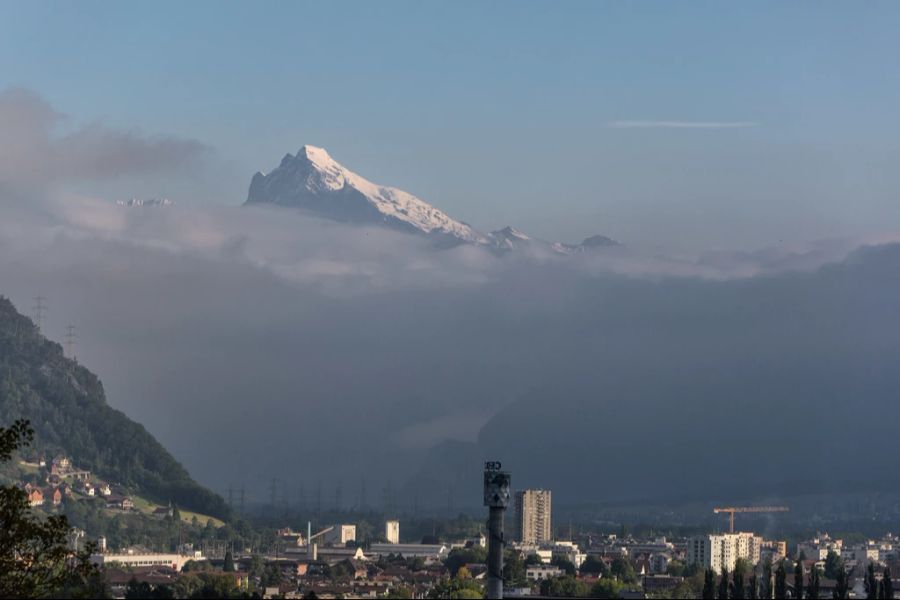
{"x":66,"y":405}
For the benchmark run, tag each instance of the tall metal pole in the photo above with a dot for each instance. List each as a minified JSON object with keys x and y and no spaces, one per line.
{"x":496,"y":498}
{"x":495,"y":553}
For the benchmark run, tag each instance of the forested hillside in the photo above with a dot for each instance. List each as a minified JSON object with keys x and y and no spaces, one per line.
{"x":67,"y":408}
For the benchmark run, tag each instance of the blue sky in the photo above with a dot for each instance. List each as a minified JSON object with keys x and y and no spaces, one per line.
{"x":508,"y":113}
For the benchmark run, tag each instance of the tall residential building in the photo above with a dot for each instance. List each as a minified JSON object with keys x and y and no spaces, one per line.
{"x":722,"y":551}
{"x":533,"y":516}
{"x":392,"y":532}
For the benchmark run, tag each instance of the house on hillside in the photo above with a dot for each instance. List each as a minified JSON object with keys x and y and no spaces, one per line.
{"x":54,"y":495}
{"x":35,"y":497}
{"x":104,"y":490}
{"x":162,"y":512}
{"x":119,"y":502}
{"x":87,"y":488}
{"x":60,"y":465}
{"x":82,"y":475}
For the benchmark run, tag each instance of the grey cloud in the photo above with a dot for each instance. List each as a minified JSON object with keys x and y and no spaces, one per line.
{"x":35,"y":149}
{"x":302,"y":336}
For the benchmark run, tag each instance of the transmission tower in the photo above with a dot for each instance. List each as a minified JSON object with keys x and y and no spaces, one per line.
{"x":70,"y":341}
{"x":39,"y":312}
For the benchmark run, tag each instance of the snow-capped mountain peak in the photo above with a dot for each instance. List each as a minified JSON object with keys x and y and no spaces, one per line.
{"x":511,"y":232}
{"x":314,"y":181}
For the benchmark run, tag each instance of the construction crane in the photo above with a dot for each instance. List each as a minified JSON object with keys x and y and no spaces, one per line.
{"x":747,"y":509}
{"x":312,"y":549}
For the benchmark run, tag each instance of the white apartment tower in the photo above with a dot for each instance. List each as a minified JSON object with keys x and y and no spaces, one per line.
{"x":392,"y":532}
{"x":533,"y":516}
{"x":722,"y":551}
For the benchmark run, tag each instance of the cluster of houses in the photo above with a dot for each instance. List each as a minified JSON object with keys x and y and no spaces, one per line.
{"x":336,"y":568}
{"x":61,"y":479}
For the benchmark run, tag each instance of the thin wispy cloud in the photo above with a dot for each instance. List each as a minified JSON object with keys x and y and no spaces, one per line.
{"x":680,"y":124}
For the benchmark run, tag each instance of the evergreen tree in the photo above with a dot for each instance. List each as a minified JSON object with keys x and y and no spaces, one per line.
{"x":229,"y":562}
{"x":709,"y":585}
{"x":737,"y":583}
{"x":767,"y":582}
{"x":833,"y":562}
{"x":780,"y":581}
{"x":723,"y":585}
{"x":798,"y":579}
{"x":813,"y":591}
{"x":871,"y":583}
{"x":752,"y":586}
{"x":888,"y":583}
{"x":842,"y":585}
{"x":176,"y":514}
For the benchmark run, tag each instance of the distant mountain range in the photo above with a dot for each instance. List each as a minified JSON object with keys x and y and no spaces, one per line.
{"x":313,"y":181}
{"x":66,"y":406}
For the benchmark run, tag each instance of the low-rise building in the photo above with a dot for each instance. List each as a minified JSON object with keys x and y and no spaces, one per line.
{"x":540,"y":572}
{"x":54,"y":495}
{"x":435,"y":551}
{"x":818,"y":547}
{"x":145,"y":559}
{"x":119,"y":502}
{"x":35,"y":497}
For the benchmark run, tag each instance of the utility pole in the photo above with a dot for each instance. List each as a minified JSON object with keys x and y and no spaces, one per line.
{"x":496,"y":498}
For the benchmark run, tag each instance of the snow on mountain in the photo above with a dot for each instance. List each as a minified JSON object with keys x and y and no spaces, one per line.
{"x":314,"y":181}
{"x":509,"y":238}
{"x":137,"y":202}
